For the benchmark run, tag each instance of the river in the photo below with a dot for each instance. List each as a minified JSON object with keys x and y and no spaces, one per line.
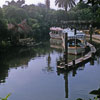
{"x":31,"y":74}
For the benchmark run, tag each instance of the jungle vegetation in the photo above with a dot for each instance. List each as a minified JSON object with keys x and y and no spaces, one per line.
{"x":19,"y":20}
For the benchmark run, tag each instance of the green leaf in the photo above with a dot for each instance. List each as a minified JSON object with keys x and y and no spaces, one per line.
{"x":6,"y":97}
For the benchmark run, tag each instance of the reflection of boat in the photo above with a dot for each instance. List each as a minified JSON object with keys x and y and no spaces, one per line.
{"x":56,"y":43}
{"x":76,"y":42}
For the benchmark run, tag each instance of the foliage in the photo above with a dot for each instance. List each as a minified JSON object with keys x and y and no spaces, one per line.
{"x":1,"y":13}
{"x":47,"y":2}
{"x":94,"y":92}
{"x":92,"y":2}
{"x":19,"y":3}
{"x":66,"y":4}
{"x":98,"y":15}
{"x":5,"y":97}
{"x":14,"y":14}
{"x":81,"y":12}
{"x":40,"y":17}
{"x":95,"y":98}
{"x":3,"y":30}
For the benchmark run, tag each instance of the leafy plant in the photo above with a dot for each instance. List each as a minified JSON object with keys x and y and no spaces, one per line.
{"x":5,"y":97}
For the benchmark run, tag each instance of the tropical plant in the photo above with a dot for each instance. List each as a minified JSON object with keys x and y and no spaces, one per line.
{"x":1,"y":13}
{"x":19,"y":3}
{"x":66,"y":4}
{"x":47,"y":2}
{"x":14,"y":14}
{"x":5,"y":97}
{"x":3,"y":30}
{"x":98,"y":15}
{"x":40,"y":17}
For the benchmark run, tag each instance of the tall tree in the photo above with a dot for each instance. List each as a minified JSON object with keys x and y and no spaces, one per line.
{"x":66,"y":4}
{"x":47,"y":2}
{"x":14,"y":14}
{"x":18,"y":3}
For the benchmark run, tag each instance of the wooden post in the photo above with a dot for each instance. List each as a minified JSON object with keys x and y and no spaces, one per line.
{"x":74,"y":72}
{"x":73,"y":63}
{"x":92,"y":62}
{"x":93,"y":55}
{"x":75,"y":31}
{"x":66,"y":49}
{"x":58,"y":63}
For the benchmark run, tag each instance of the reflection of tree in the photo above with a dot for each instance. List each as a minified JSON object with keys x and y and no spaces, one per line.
{"x":96,"y":92}
{"x":3,"y":72}
{"x":12,"y":58}
{"x":19,"y":57}
{"x":48,"y":68}
{"x":49,"y":60}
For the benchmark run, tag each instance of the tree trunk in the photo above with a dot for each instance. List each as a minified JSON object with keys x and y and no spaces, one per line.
{"x":65,"y":8}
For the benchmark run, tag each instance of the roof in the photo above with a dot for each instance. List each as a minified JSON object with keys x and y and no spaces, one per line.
{"x":71,"y":32}
{"x":56,"y":29}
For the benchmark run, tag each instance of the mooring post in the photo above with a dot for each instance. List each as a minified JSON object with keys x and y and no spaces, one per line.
{"x":73,"y":63}
{"x":66,"y":50}
{"x":93,"y":55}
{"x":58,"y":63}
{"x":75,"y":31}
{"x":74,"y":72}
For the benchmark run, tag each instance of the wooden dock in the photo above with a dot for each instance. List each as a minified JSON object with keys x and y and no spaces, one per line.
{"x":95,"y":38}
{"x":78,"y":61}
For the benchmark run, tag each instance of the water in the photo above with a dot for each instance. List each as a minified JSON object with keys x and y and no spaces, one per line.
{"x":31,"y":74}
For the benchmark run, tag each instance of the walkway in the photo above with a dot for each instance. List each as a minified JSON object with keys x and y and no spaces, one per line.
{"x":80,"y":60}
{"x":95,"y":38}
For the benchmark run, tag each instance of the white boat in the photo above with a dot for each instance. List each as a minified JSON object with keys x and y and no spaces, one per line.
{"x":76,"y":43}
{"x":56,"y":32}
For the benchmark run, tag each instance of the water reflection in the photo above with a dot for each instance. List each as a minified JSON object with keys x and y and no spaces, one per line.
{"x":66,"y":85}
{"x":74,"y":72}
{"x":21,"y":57}
{"x":12,"y":58}
{"x":48,"y":68}
{"x":18,"y":57}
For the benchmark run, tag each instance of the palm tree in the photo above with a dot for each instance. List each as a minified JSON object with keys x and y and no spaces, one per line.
{"x":66,"y":4}
{"x":47,"y":2}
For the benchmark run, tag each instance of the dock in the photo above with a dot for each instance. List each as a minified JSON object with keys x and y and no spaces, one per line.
{"x":79,"y":61}
{"x":95,"y":38}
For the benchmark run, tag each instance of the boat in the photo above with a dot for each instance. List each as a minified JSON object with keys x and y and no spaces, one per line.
{"x":76,"y":42}
{"x":56,"y":32}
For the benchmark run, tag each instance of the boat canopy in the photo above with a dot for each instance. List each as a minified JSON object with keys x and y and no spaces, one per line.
{"x":56,"y":29}
{"x":71,"y":33}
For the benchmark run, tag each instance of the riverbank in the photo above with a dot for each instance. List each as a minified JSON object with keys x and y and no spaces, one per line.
{"x":23,"y":43}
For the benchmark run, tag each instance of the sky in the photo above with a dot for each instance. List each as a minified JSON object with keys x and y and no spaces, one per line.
{"x":52,"y":2}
